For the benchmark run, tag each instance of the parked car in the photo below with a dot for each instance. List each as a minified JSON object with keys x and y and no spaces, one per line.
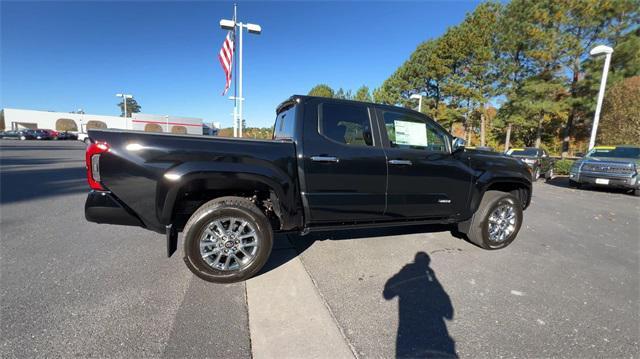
{"x":332,"y":164}
{"x":538,"y":159}
{"x":18,"y":134}
{"x":53,"y":134}
{"x":41,"y":134}
{"x":608,"y":166}
{"x":481,"y":148}
{"x":84,"y":138}
{"x":66,"y":135}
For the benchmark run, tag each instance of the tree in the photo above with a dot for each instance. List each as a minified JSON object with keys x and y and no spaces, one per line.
{"x":132,"y":107}
{"x":322,"y":90}
{"x":363,"y":94}
{"x":620,"y":123}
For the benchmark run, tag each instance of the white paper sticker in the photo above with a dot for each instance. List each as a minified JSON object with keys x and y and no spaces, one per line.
{"x":411,"y":133}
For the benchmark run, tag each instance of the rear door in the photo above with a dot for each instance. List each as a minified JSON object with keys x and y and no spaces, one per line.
{"x":425,"y":179}
{"x":345,"y":169}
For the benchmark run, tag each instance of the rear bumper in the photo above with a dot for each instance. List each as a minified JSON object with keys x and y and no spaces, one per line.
{"x":614,"y":181}
{"x":103,"y":207}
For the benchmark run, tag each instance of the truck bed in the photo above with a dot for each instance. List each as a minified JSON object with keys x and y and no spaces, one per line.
{"x":156,"y":176}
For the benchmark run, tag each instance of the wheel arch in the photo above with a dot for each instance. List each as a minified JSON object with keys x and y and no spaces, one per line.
{"x":273,"y":193}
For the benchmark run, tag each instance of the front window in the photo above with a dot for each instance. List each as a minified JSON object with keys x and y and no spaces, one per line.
{"x":619,"y":152}
{"x":410,"y":132}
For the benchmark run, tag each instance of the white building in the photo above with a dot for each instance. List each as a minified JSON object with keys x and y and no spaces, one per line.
{"x":74,"y":122}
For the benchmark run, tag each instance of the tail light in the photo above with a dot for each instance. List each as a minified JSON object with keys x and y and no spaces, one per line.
{"x":92,"y":157}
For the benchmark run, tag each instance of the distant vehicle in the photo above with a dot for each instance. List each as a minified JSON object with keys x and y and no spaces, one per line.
{"x":41,"y":134}
{"x":53,"y":134}
{"x":480,"y":148}
{"x":332,"y":164}
{"x":537,"y":158}
{"x":83,"y":137}
{"x":608,"y":166}
{"x":18,"y":135}
{"x":66,"y":135}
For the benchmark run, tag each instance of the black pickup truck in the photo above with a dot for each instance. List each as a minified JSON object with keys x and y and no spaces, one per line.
{"x":332,"y":164}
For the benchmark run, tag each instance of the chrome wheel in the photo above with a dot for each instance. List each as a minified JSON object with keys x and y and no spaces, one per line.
{"x":502,"y":222}
{"x":229,"y":244}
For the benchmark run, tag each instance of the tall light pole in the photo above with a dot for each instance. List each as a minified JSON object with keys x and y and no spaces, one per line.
{"x":124,"y":100}
{"x":418,"y":97}
{"x":254,"y":29}
{"x":596,"y":51}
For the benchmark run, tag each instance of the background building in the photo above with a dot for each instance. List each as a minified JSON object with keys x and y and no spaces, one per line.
{"x":77,"y":122}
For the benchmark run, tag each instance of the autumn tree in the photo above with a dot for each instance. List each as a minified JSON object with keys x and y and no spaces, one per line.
{"x":620,"y":123}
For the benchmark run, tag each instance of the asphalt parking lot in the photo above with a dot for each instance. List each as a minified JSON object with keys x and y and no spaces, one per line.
{"x":569,"y":286}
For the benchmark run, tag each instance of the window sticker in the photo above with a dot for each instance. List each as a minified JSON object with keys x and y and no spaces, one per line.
{"x":410,"y":133}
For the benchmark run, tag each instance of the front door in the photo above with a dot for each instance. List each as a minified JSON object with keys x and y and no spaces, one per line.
{"x":425,"y":179}
{"x":344,"y":163}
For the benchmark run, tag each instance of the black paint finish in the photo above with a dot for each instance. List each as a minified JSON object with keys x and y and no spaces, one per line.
{"x":151,"y":174}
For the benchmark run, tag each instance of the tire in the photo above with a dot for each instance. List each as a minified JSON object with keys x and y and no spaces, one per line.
{"x":574,"y":184}
{"x":222,"y":209}
{"x":636,"y":192}
{"x":478,"y":232}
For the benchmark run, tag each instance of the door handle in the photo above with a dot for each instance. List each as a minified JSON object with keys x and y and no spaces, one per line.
{"x":400,"y":162}
{"x":324,"y":159}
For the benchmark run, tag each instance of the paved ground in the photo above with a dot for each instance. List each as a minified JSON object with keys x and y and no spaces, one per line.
{"x":568,"y":287}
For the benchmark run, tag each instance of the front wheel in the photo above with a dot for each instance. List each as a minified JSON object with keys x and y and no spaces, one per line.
{"x":549,"y":175}
{"x":497,"y":221}
{"x":227,"y":240}
{"x":536,"y":173}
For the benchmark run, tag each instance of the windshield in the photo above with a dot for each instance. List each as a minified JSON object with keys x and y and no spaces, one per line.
{"x":621,"y":152}
{"x":523,"y":152}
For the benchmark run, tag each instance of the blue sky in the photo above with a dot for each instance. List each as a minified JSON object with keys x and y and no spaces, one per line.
{"x":63,"y":56}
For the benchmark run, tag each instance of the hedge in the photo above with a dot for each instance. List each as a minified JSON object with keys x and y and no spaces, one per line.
{"x":562,"y":167}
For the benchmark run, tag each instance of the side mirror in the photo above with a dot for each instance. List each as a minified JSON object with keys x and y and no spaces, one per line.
{"x":457,"y":144}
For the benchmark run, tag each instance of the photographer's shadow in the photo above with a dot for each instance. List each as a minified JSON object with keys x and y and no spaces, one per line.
{"x":423,"y":306}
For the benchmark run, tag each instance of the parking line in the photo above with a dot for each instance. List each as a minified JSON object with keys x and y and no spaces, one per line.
{"x":287,"y":316}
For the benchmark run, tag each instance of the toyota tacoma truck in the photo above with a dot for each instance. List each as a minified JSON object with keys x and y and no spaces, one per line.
{"x":331,"y":164}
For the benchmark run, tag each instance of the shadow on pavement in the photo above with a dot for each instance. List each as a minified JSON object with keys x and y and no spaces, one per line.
{"x":423,"y":306}
{"x":23,"y":185}
{"x":289,"y":246}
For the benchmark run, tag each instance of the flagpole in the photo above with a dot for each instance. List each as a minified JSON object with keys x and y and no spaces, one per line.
{"x":235,"y":87}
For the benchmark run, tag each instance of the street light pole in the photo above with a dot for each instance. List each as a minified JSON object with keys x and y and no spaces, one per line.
{"x":419,"y":97}
{"x":124,"y":100}
{"x":599,"y":50}
{"x":254,"y":29}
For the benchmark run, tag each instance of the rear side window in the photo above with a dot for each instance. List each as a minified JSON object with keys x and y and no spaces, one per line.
{"x":344,"y":123}
{"x":285,"y":124}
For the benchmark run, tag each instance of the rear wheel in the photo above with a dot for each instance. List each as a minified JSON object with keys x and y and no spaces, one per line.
{"x":227,"y":240}
{"x":497,"y":221}
{"x":636,"y":192}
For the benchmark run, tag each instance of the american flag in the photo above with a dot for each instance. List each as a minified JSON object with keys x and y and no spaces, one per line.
{"x":226,"y":59}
